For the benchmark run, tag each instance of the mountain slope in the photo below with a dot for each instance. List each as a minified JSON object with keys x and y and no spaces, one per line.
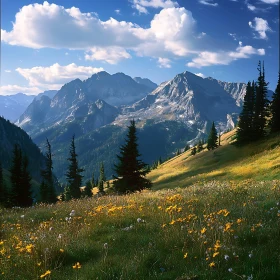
{"x":259,"y":161}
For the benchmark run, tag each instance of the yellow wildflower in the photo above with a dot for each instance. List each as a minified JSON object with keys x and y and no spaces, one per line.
{"x":212,"y":264}
{"x":215,"y":254}
{"x":48,"y":272}
{"x":186,"y":255}
{"x":77,"y":265}
{"x":203,"y":230}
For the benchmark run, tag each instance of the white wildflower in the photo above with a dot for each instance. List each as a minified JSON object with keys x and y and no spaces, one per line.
{"x":139,"y":220}
{"x":226,"y":257}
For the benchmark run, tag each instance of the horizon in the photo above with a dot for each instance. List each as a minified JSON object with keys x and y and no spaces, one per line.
{"x":137,"y":38}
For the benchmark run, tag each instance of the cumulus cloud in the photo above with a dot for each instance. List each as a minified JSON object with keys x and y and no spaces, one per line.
{"x":224,"y":58}
{"x":13,"y":89}
{"x":111,"y":55}
{"x":54,"y":76}
{"x":270,"y":1}
{"x":261,"y":26}
{"x":164,"y":62}
{"x":142,"y":5}
{"x":208,"y":3}
{"x":200,"y":75}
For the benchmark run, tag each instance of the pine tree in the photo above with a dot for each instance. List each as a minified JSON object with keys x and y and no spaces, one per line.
{"x":92,"y":181}
{"x":199,"y":146}
{"x":47,"y":190}
{"x":261,"y":105}
{"x":25,"y":195}
{"x":187,"y":147}
{"x":73,"y":174}
{"x":3,"y":190}
{"x":212,"y":141}
{"x":130,"y":170}
{"x":245,"y":124}
{"x":193,"y":152}
{"x":275,"y":109}
{"x":102,"y":179}
{"x":88,"y":189}
{"x":15,"y":176}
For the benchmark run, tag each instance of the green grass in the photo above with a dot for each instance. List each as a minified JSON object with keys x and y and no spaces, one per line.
{"x":219,"y":224}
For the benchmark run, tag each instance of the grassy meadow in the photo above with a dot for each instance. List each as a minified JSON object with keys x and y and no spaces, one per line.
{"x":199,"y":222}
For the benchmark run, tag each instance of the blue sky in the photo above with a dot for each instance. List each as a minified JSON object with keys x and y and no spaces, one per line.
{"x":46,"y":44}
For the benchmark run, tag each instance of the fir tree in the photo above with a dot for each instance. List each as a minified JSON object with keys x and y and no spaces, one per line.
{"x":47,"y":190}
{"x":92,"y":181}
{"x":3,"y":190}
{"x":187,"y":147}
{"x":275,"y":109}
{"x":73,"y":174}
{"x":178,"y":152}
{"x":15,"y":176}
{"x":212,"y":141}
{"x":199,"y":146}
{"x":88,"y":189}
{"x":245,"y":124}
{"x":25,"y":195}
{"x":130,"y":170}
{"x":193,"y":151}
{"x":102,"y":179}
{"x":261,"y":105}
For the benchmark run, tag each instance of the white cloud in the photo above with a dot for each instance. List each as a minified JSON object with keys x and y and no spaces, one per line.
{"x":13,"y":89}
{"x":233,"y":35}
{"x":208,"y":3}
{"x":224,"y":58}
{"x":251,"y":7}
{"x":200,"y":75}
{"x":142,"y":5}
{"x":8,"y":71}
{"x":201,"y":35}
{"x":54,"y":76}
{"x":118,"y":11}
{"x":261,"y":26}
{"x":164,"y":62}
{"x":111,"y":55}
{"x":270,"y":1}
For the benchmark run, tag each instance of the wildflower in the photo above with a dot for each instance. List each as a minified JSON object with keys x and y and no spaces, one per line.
{"x":203,"y":230}
{"x":212,"y":264}
{"x":72,"y":213}
{"x":139,"y":220}
{"x":61,"y":250}
{"x":230,"y":270}
{"x":172,"y":222}
{"x":226,"y":257}
{"x":22,"y":216}
{"x":51,"y":228}
{"x":48,"y":272}
{"x":250,"y":277}
{"x":59,"y":236}
{"x":215,"y":254}
{"x":105,"y":245}
{"x":186,"y":255}
{"x":163,"y":226}
{"x":77,"y":265}
{"x":250,"y":256}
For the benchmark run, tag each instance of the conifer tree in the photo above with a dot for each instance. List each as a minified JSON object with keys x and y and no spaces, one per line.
{"x":102,"y":179}
{"x":245,"y":125}
{"x":47,"y":190}
{"x":193,"y":152}
{"x":3,"y":190}
{"x":199,"y":146}
{"x":92,"y":181}
{"x":88,"y":189}
{"x":73,"y":174}
{"x":15,"y":176}
{"x":261,"y":105}
{"x":187,"y":147}
{"x":25,"y":195}
{"x":212,"y":141}
{"x":275,"y":109}
{"x":130,"y":170}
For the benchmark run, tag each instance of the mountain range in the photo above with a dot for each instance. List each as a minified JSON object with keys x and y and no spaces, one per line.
{"x":99,"y":109}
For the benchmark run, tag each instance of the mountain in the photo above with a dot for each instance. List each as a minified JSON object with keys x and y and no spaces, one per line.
{"x":77,"y":99}
{"x":10,"y":135}
{"x":12,"y":106}
{"x":146,"y":82}
{"x":177,"y":112}
{"x":48,"y":93}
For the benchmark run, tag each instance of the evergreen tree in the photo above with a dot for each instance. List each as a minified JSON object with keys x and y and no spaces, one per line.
{"x":16,"y":176}
{"x":73,"y":174}
{"x":101,"y":180}
{"x":25,"y":195}
{"x":187,"y":147}
{"x":193,"y":151}
{"x":178,"y":152}
{"x":130,"y":170}
{"x":67,"y":194}
{"x":212,"y":141}
{"x":3,"y":190}
{"x":261,"y":105}
{"x":245,"y":125}
{"x":87,"y":191}
{"x":93,"y":184}
{"x":199,"y":146}
{"x":275,"y":109}
{"x":47,"y":190}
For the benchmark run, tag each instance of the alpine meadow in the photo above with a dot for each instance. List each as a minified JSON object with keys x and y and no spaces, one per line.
{"x":140,"y":140}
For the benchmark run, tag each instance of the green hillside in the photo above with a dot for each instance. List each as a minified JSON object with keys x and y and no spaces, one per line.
{"x":258,"y":161}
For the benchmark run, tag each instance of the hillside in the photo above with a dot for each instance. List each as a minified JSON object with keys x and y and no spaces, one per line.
{"x":260,"y":161}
